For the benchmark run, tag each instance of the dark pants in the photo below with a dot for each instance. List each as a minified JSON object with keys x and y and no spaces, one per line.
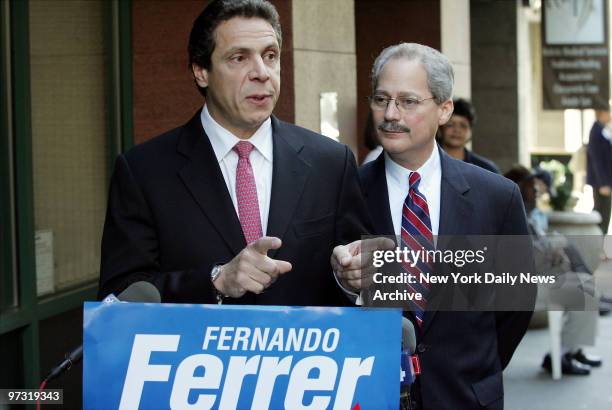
{"x":602,"y":205}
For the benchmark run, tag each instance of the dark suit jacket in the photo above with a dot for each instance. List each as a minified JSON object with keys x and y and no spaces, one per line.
{"x":599,"y":158}
{"x":462,"y":353}
{"x":480,"y":161}
{"x":170,"y":217}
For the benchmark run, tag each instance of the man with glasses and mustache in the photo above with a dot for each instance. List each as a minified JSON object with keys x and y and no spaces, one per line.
{"x":416,"y":191}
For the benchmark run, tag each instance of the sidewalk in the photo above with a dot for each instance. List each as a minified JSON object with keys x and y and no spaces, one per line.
{"x":528,"y":387}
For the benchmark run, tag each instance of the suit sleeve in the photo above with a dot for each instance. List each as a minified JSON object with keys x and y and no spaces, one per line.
{"x":599,"y":154}
{"x":352,"y":218}
{"x":512,"y":325}
{"x":130,"y":248}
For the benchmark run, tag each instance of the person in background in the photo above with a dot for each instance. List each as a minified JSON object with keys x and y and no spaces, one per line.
{"x":553,"y":254}
{"x":599,"y":167}
{"x":538,"y":221}
{"x":457,"y":132}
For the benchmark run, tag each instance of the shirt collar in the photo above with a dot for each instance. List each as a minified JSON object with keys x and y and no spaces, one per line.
{"x":223,"y":141}
{"x":427,"y":171}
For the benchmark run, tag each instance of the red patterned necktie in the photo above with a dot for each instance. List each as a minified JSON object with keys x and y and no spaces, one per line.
{"x":416,"y":235}
{"x":246,"y":193}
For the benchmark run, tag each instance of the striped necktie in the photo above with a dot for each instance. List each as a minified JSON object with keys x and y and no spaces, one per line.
{"x":416,"y":235}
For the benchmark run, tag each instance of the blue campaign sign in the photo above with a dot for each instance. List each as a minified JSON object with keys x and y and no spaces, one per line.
{"x":162,"y":356}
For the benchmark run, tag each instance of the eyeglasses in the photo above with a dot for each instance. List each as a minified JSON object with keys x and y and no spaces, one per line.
{"x":403,"y":104}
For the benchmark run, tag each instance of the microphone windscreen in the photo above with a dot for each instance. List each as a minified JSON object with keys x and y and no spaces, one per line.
{"x":408,"y":336}
{"x":142,"y":291}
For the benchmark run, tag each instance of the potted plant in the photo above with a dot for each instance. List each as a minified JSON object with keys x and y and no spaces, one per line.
{"x":561,"y":185}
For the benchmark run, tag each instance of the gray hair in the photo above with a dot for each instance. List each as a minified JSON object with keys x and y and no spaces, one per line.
{"x":440,"y":76}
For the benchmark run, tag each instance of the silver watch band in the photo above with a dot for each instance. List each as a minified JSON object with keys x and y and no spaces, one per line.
{"x":214,"y":274}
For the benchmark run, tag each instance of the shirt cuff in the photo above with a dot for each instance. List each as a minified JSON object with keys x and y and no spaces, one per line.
{"x":353,"y":296}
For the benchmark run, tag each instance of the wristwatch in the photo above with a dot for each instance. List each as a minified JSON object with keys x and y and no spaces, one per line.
{"x":214,"y":274}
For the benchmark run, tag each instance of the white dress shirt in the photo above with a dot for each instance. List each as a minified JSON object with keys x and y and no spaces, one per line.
{"x":372,"y":155}
{"x":398,"y":186}
{"x":223,"y":142}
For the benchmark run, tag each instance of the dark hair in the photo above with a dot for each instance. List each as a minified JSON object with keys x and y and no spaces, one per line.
{"x":525,"y":179}
{"x":369,"y":133}
{"x":465,"y":109}
{"x":202,"y":37}
{"x":519,"y":174}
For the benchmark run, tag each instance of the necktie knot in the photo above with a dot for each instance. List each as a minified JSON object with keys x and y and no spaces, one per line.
{"x":413,"y":180}
{"x":243,"y":149}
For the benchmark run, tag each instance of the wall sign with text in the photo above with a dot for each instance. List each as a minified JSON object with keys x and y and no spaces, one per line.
{"x":575,"y":54}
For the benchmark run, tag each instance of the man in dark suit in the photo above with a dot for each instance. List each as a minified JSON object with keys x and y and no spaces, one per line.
{"x":599,"y":167}
{"x":462,"y":354}
{"x":235,"y":206}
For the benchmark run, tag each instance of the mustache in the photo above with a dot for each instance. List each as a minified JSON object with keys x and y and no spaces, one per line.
{"x":391,"y":126}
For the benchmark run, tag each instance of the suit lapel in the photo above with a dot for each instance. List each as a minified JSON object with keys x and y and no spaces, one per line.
{"x":289,"y":175}
{"x":377,"y":198}
{"x":376,"y":195}
{"x":203,"y":178}
{"x":456,"y":211}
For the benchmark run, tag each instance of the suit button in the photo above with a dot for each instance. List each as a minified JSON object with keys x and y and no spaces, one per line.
{"x":421,"y":348}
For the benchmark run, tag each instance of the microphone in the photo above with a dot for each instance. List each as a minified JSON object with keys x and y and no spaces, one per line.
{"x":408,"y":336}
{"x":140,"y":292}
{"x":143,"y":292}
{"x":408,"y":374}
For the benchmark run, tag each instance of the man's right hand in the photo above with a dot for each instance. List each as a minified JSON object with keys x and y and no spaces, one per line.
{"x":604,"y":190}
{"x":352,"y":263}
{"x":252,"y":270}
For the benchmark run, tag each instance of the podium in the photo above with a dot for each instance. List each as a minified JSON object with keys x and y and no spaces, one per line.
{"x":150,"y":356}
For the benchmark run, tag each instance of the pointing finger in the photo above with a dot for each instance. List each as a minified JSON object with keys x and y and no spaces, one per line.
{"x":264,"y":244}
{"x":283,"y":266}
